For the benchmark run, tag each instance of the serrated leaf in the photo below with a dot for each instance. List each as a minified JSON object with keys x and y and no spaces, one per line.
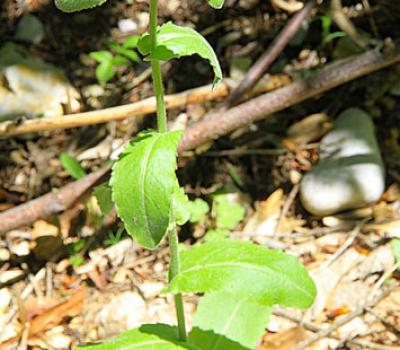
{"x":245,"y":270}
{"x":105,"y":71}
{"x":228,"y":214}
{"x":101,"y":56}
{"x":224,"y":322}
{"x":175,"y":41}
{"x":143,"y":182}
{"x":217,"y":4}
{"x":198,"y":210}
{"x":71,"y":165}
{"x":147,"y":337}
{"x":181,"y":205}
{"x":103,"y":196}
{"x":77,"y":5}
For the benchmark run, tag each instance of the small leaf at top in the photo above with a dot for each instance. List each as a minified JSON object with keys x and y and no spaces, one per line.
{"x":143,"y":182}
{"x":217,"y":4}
{"x":71,"y":165}
{"x":147,"y":337}
{"x":77,"y":5}
{"x":175,"y":41}
{"x":246,"y":271}
{"x":224,"y":322}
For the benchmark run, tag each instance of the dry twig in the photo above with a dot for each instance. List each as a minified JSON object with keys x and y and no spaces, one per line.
{"x":345,"y":319}
{"x":274,"y":50}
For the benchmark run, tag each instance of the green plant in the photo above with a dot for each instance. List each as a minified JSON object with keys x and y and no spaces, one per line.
{"x":118,"y":55}
{"x":241,"y":280}
{"x":72,"y":166}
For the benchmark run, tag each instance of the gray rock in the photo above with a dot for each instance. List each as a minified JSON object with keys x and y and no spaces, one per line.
{"x":30,"y":87}
{"x":350,"y":173}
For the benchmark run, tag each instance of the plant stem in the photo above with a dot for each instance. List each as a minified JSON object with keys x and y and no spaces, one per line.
{"x":156,"y":71}
{"x":174,"y":268}
{"x":162,"y":127}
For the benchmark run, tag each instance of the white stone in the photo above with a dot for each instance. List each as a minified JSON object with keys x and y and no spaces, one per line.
{"x":350,"y":173}
{"x":127,"y":25}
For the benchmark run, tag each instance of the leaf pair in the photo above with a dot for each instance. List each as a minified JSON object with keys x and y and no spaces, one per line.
{"x":108,"y":61}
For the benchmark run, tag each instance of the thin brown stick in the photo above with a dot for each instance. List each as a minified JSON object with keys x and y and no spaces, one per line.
{"x":219,"y":124}
{"x":274,"y":50}
{"x":342,"y":321}
{"x":144,"y":107}
{"x":314,"y":328}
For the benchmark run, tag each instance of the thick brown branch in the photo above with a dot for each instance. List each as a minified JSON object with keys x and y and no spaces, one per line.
{"x":51,"y":203}
{"x":219,"y":124}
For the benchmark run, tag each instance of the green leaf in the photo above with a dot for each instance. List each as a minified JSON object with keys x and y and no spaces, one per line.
{"x":224,"y":322}
{"x":131,"y":42}
{"x":124,"y":51}
{"x":101,"y":56}
{"x":246,"y":271}
{"x":105,"y":71}
{"x":147,"y":337}
{"x":181,"y":205}
{"x":198,"y":210}
{"x":143,"y":182}
{"x":119,"y":60}
{"x":174,"y":41}
{"x":228,"y":214}
{"x":219,"y":233}
{"x":395,"y":243}
{"x":104,"y":199}
{"x":71,"y":165}
{"x":217,"y":4}
{"x":77,"y":5}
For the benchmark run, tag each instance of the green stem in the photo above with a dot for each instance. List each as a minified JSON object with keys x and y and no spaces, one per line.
{"x":174,"y":269}
{"x":162,"y":127}
{"x":156,"y":71}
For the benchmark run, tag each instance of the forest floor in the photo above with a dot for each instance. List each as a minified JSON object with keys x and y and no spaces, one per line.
{"x":77,"y":277}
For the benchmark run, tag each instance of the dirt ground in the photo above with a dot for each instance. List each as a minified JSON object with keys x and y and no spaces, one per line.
{"x":73,"y":278}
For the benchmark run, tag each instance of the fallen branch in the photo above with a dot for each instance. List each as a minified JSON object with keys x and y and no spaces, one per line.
{"x":265,"y":61}
{"x":144,"y":107}
{"x":335,"y":74}
{"x":51,"y":203}
{"x":211,"y":128}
